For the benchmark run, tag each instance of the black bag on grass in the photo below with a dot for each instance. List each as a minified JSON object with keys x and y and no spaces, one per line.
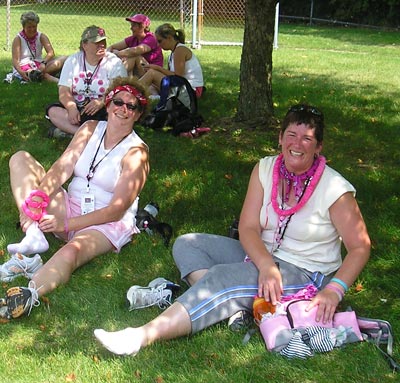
{"x":177,"y":107}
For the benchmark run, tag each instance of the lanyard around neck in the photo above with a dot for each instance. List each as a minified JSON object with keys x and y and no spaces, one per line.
{"x":93,"y":166}
{"x":31,"y":43}
{"x":89,"y":75}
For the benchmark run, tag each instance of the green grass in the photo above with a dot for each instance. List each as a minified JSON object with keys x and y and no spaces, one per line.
{"x":352,"y":75}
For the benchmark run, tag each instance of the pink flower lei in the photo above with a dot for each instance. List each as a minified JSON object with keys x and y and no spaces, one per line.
{"x":307,"y":193}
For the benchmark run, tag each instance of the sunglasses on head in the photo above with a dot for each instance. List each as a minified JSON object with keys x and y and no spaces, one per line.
{"x":305,"y":108}
{"x":129,"y":106}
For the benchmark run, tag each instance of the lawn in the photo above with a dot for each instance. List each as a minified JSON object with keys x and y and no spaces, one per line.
{"x":350,"y":74}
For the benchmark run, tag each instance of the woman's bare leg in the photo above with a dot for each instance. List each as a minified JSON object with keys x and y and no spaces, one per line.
{"x":152,"y":77}
{"x":193,"y":277}
{"x":79,"y":250}
{"x":25,"y":176}
{"x":59,"y":118}
{"x":55,"y":65}
{"x":174,"y":322}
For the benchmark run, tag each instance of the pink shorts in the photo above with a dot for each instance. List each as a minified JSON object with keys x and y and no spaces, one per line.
{"x":116,"y":232}
{"x":31,"y":65}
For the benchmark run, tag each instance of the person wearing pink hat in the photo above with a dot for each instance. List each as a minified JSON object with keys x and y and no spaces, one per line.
{"x":139,"y":49}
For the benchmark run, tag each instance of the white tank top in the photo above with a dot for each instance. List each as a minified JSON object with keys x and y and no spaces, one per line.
{"x":107,"y":173}
{"x":193,"y":72}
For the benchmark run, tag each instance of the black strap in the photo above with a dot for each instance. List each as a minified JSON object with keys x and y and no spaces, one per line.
{"x":392,"y":363}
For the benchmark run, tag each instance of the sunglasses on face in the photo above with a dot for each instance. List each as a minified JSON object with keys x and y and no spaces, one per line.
{"x":305,"y":108}
{"x":129,"y":106}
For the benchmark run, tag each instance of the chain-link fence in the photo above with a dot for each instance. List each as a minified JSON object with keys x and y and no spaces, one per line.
{"x":204,"y":21}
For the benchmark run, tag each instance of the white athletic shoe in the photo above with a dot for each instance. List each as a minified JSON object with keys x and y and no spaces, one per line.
{"x":18,"y":265}
{"x":158,"y":292}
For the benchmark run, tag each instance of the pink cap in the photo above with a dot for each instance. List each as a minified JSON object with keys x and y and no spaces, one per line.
{"x":139,"y":18}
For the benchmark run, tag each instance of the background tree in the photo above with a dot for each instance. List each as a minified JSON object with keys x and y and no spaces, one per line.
{"x":255,"y":99}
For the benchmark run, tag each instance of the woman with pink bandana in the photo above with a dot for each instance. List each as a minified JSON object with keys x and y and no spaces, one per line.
{"x":107,"y":163}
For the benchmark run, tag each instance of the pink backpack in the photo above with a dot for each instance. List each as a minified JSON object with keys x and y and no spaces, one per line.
{"x":296,"y":333}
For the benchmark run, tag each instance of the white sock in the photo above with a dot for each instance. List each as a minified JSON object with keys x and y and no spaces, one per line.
{"x":33,"y":242}
{"x":124,"y":342}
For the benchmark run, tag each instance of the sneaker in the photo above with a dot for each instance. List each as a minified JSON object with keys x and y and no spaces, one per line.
{"x":54,"y":132}
{"x":242,"y":320}
{"x":19,"y":265}
{"x":158,"y":292}
{"x":19,"y":301}
{"x":9,"y":78}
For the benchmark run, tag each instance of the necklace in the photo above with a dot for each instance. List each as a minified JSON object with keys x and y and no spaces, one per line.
{"x":302,"y":194}
{"x":93,"y":166}
{"x":31,"y":42}
{"x":296,"y":181}
{"x":307,"y":191}
{"x":89,"y":75}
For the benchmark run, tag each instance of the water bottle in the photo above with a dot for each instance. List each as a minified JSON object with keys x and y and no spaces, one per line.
{"x":152,"y":208}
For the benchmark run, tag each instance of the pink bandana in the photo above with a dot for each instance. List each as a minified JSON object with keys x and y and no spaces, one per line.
{"x":127,"y":88}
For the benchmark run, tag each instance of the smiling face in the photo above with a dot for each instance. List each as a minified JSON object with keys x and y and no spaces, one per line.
{"x":299,"y":147}
{"x":30,"y":29}
{"x":125,"y":107}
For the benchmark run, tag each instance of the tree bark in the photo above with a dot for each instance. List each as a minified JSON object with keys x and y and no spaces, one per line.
{"x":255,"y":99}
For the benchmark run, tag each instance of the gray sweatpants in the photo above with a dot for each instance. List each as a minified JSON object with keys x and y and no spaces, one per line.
{"x":230,"y":284}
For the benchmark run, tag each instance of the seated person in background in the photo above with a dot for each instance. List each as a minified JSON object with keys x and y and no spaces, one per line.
{"x":27,"y":50}
{"x":297,"y":213}
{"x":140,"y":48}
{"x":83,"y":82}
{"x":181,"y":61}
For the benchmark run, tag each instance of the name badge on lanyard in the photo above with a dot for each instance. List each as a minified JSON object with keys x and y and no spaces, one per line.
{"x":87,"y":202}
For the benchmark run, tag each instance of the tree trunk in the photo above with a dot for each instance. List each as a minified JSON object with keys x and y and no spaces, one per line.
{"x":255,"y":99}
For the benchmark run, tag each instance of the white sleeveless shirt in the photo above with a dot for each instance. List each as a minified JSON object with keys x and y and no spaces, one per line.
{"x":107,"y":173}
{"x":310,"y":241}
{"x":193,"y":72}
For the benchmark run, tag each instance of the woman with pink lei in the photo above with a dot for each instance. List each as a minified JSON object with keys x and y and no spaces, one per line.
{"x":297,"y":213}
{"x":108,"y":166}
{"x":27,"y":49}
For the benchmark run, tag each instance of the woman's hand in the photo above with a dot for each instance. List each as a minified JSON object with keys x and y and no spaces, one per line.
{"x":93,"y":106}
{"x":50,"y":224}
{"x":270,"y":283}
{"x":24,"y":75}
{"x":327,"y":301}
{"x":74,"y":117}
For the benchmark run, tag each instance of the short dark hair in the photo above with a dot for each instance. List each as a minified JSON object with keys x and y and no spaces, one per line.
{"x":305,"y":114}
